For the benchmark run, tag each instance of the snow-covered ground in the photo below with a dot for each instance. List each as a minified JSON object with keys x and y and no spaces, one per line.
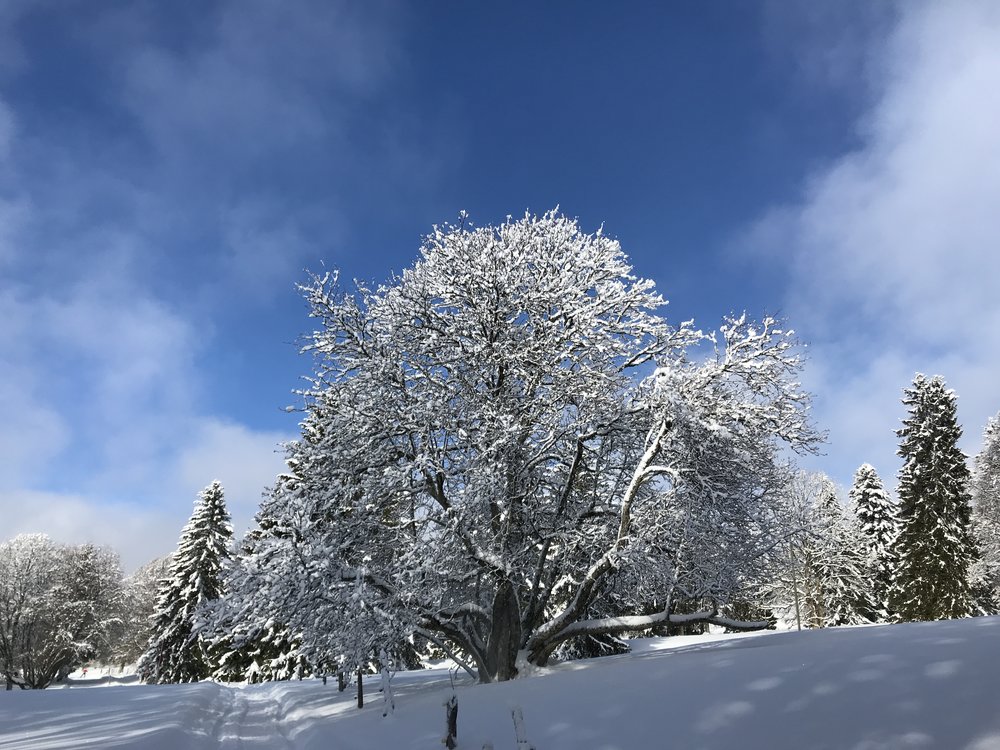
{"x":924,"y":685}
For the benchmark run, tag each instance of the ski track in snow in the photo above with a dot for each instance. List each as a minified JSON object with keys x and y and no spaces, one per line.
{"x":250,"y":721}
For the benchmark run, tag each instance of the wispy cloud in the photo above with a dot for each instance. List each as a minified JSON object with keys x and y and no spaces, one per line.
{"x":892,"y":252}
{"x":245,"y":461}
{"x":126,"y":231}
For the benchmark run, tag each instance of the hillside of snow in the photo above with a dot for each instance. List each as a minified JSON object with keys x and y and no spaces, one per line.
{"x":921,"y":685}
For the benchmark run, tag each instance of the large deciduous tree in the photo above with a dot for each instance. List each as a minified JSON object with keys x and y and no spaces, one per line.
{"x":176,"y":652}
{"x":934,"y":548}
{"x":59,"y":607}
{"x":507,"y":446}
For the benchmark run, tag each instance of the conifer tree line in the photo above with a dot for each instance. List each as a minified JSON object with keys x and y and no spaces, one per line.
{"x":508,"y":455}
{"x":931,"y":554}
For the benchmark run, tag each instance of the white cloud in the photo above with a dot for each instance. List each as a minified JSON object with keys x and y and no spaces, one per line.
{"x":121,"y":252}
{"x":244,"y":460}
{"x":144,"y":517}
{"x":893,"y":252}
{"x":32,"y":433}
{"x":256,"y":79}
{"x":104,"y":377}
{"x":137,"y":533}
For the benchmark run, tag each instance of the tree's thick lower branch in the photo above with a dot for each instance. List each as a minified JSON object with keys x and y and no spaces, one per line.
{"x":632,"y":623}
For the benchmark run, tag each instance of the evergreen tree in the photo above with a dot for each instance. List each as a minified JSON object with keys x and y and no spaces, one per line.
{"x":253,"y":645}
{"x":986,"y":518}
{"x":837,"y":557}
{"x":876,"y":516}
{"x":176,"y":652}
{"x":934,"y":548}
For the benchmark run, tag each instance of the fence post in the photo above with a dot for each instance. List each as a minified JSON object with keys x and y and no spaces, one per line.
{"x":388,"y":702}
{"x":450,"y":739}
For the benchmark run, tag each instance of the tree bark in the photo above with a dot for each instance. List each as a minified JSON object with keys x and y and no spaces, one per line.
{"x":505,"y":635}
{"x":450,"y":740}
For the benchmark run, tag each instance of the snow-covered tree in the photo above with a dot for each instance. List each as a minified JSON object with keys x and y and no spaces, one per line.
{"x":483,"y":464}
{"x":176,"y":653}
{"x":839,"y":559}
{"x":790,"y":582}
{"x":934,"y":548}
{"x":253,"y":645}
{"x":821,"y":578}
{"x":986,"y":517}
{"x":59,"y":607}
{"x":140,"y":592}
{"x":876,"y":515}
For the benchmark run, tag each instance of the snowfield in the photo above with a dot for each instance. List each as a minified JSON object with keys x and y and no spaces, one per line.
{"x":919,"y":685}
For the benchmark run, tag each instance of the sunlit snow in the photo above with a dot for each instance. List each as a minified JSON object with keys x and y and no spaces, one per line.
{"x":920,"y":685}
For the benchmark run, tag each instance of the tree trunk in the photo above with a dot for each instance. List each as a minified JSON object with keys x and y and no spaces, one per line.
{"x":505,"y":635}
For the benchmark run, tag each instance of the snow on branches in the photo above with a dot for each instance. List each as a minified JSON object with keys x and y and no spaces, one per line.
{"x":59,"y":607}
{"x":934,"y":547}
{"x":508,"y":438}
{"x":176,"y":652}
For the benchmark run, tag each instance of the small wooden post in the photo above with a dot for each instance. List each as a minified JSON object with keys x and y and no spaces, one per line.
{"x":450,"y":739}
{"x":388,"y":702}
{"x":361,"y":691}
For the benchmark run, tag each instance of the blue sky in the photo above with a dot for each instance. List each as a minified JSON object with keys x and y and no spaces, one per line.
{"x":169,"y":170}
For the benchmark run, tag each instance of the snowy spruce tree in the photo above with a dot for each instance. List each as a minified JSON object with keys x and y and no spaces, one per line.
{"x":839,"y":562}
{"x":876,"y":515}
{"x":176,"y":652}
{"x":986,"y":518}
{"x":251,"y":642}
{"x":934,"y":548}
{"x":507,"y":442}
{"x":820,"y":579}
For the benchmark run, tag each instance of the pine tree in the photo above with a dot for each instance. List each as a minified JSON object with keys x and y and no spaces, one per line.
{"x":986,"y":518}
{"x":934,"y":548}
{"x":837,"y":558}
{"x":252,"y":645}
{"x":176,"y":652}
{"x":876,"y":516}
